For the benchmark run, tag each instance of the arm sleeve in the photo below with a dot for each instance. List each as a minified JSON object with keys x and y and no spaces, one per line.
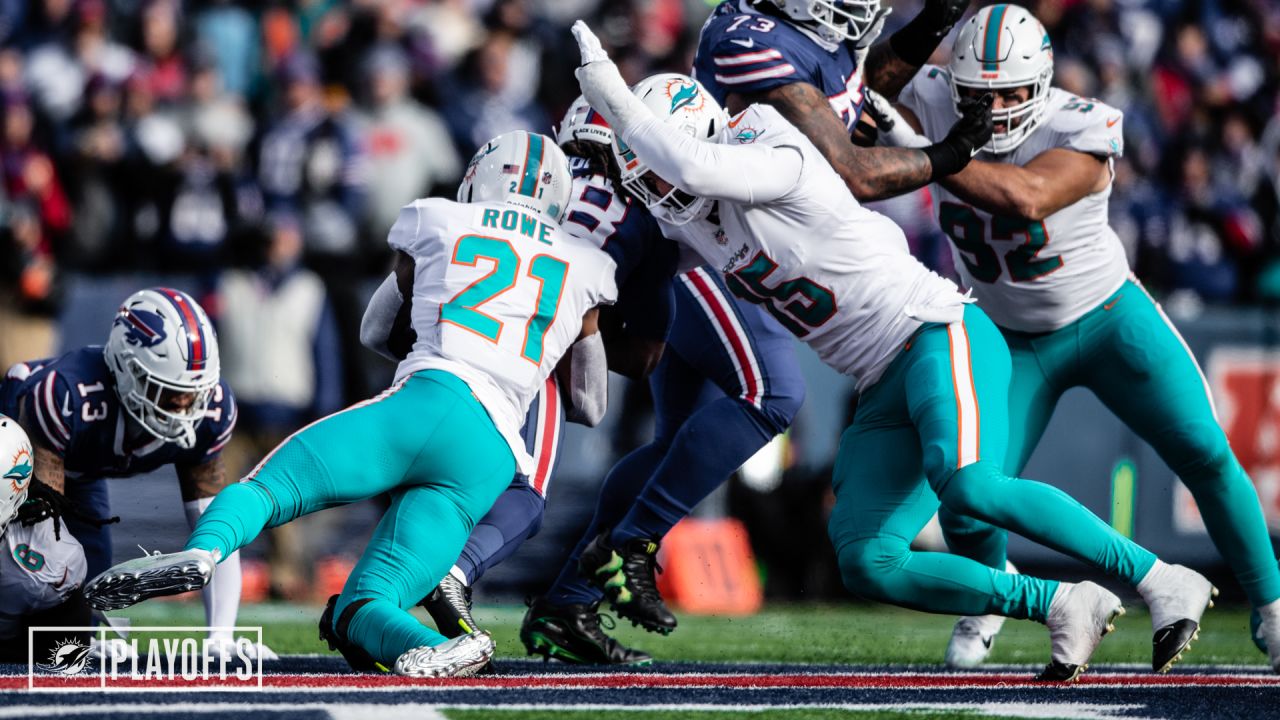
{"x":743,"y":174}
{"x":380,"y":316}
{"x":588,"y":397}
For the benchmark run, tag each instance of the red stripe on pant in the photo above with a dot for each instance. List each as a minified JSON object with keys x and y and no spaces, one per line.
{"x":737,"y":342}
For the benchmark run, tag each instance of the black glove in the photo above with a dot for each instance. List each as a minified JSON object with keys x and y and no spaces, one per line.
{"x":967,"y":136}
{"x":916,"y":41}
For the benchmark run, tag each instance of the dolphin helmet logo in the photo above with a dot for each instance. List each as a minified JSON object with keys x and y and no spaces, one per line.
{"x":684,"y":96}
{"x":20,"y":473}
{"x":142,"y":328}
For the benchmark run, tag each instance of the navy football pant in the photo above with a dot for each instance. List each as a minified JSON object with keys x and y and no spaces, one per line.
{"x":728,"y":382}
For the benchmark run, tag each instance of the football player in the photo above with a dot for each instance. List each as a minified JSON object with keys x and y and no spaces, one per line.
{"x":728,"y":382}
{"x":43,"y":565}
{"x":932,"y":370}
{"x":495,"y":293}
{"x":809,"y":59}
{"x":150,"y":397}
{"x":1028,"y":224}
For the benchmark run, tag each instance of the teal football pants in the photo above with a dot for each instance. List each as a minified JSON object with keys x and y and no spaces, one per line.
{"x":934,"y":429}
{"x":428,"y":442}
{"x":1128,"y":353}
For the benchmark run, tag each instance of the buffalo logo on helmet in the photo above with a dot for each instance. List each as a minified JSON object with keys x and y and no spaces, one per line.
{"x":684,"y":94}
{"x":20,"y":473}
{"x":142,"y":328}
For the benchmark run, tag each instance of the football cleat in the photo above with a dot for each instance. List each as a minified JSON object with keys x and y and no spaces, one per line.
{"x":573,"y":633}
{"x":973,"y":636}
{"x":449,"y":605}
{"x":971,"y":640}
{"x":1177,"y":597}
{"x":462,"y":656}
{"x":1264,"y":626}
{"x":1079,"y":615}
{"x":626,"y":575}
{"x":131,"y":582}
{"x":356,"y":656}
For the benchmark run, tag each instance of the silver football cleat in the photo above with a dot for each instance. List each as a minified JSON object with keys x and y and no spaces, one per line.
{"x":150,"y":576}
{"x":460,"y":657}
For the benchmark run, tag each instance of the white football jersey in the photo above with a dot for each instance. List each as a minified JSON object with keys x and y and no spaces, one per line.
{"x":1031,"y":276}
{"x":38,"y":571}
{"x":836,"y":274}
{"x":498,"y":297}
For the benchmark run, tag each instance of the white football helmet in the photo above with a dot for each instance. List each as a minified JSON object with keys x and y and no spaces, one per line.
{"x":682,"y":102}
{"x":16,"y":463}
{"x":520,"y":168}
{"x":835,"y":20}
{"x":162,"y":347}
{"x":583,"y":123}
{"x":1005,"y":46}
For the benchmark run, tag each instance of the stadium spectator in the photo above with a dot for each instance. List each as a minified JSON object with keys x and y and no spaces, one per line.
{"x":280,"y":352}
{"x":410,"y":155}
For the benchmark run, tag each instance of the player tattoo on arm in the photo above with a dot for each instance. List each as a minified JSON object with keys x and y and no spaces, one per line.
{"x":870,"y":173}
{"x":203,"y":480}
{"x":1051,"y":181}
{"x":885,"y":72}
{"x":50,"y":470}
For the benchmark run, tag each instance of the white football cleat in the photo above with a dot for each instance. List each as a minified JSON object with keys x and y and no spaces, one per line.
{"x":1268,"y":632}
{"x":460,"y":657}
{"x":1079,"y":615}
{"x":1177,"y":597}
{"x":974,"y":635}
{"x":131,"y":582}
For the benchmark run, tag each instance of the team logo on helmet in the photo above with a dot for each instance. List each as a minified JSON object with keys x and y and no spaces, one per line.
{"x":20,"y":473}
{"x":684,"y":95}
{"x":141,"y":327}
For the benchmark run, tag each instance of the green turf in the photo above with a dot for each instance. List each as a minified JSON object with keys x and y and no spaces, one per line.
{"x":851,"y":633}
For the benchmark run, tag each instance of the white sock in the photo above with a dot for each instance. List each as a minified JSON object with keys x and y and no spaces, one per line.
{"x":1270,"y":612}
{"x":460,"y":576}
{"x":1145,"y":585}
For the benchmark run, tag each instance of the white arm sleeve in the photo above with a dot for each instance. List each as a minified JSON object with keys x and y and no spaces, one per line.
{"x":380,"y":316}
{"x":745,"y":174}
{"x":589,"y":382}
{"x":222,"y":595}
{"x":738,"y":173}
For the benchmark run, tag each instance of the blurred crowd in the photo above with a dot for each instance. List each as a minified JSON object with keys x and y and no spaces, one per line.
{"x":280,"y":138}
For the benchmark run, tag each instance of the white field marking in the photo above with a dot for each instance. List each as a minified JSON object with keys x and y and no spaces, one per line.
{"x":417,"y":711}
{"x":337,"y":711}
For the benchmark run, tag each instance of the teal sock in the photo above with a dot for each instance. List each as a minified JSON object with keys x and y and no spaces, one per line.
{"x":232,"y":520}
{"x":386,"y":632}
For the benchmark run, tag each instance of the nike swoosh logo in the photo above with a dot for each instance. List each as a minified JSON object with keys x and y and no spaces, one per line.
{"x":1112,"y":304}
{"x":1112,"y":121}
{"x":986,"y":641}
{"x":750,"y":43}
{"x":66,"y":405}
{"x":1161,"y":636}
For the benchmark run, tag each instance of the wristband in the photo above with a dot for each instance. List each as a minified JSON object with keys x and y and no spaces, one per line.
{"x":945,"y":159}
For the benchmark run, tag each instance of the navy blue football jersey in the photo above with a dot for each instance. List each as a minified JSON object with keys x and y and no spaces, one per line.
{"x":69,"y":404}
{"x":744,"y":51}
{"x":646,"y":259}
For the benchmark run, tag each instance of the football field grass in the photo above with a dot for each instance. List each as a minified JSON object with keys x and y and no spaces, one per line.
{"x":836,"y":634}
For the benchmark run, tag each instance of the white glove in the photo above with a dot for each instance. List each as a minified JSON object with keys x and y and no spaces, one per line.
{"x":602,"y":84}
{"x":225,"y":646}
{"x":894,"y":130}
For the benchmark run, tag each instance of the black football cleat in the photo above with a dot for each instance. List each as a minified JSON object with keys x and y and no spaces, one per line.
{"x":573,"y":634}
{"x":449,"y":605}
{"x":356,"y":657}
{"x":626,"y":575}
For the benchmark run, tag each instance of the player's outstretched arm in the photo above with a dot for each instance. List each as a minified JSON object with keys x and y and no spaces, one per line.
{"x":891,"y":64}
{"x":1052,"y":180}
{"x":49,"y":469}
{"x":745,"y":174}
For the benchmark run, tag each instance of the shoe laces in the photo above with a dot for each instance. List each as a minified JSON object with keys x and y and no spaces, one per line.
{"x":148,"y":553}
{"x":644,"y":581}
{"x":457,"y":595}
